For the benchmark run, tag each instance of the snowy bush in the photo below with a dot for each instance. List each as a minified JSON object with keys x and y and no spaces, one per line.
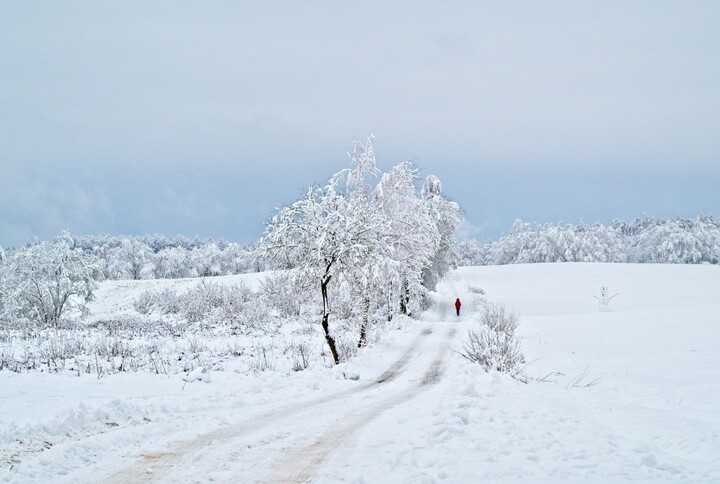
{"x":7,"y":359}
{"x":197,"y":303}
{"x":299,"y":353}
{"x":195,"y":344}
{"x":210,"y":304}
{"x":138,"y":327}
{"x":476,"y":290}
{"x":264,"y":358}
{"x":494,"y":343}
{"x":44,"y":282}
{"x":250,"y":317}
{"x":282,"y":293}
{"x":146,"y":302}
{"x":57,"y":349}
{"x":177,"y":331}
{"x":166,"y":301}
{"x":347,"y":347}
{"x":111,"y":347}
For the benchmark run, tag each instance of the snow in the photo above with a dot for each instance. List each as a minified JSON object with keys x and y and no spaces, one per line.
{"x":631,"y":394}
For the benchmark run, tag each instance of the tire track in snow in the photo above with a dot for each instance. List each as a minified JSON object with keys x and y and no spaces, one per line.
{"x":153,"y":465}
{"x":306,"y":461}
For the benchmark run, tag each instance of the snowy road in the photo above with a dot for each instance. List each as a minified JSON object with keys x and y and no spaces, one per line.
{"x":289,"y":444}
{"x":302,"y":463}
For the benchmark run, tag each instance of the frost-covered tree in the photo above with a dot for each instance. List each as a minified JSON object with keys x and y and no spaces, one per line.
{"x":172,"y":263}
{"x":377,"y":248}
{"x":237,"y":259}
{"x":707,"y":232}
{"x":2,"y":277}
{"x":678,"y":241}
{"x":598,"y":243}
{"x":447,"y":217}
{"x":473,"y":252}
{"x":44,"y":281}
{"x":330,"y":233}
{"x":133,"y":259}
{"x":412,"y":231}
{"x":674,"y":241}
{"x":206,"y":261}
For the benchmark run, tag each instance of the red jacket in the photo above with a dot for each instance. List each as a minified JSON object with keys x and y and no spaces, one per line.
{"x":457,"y":303}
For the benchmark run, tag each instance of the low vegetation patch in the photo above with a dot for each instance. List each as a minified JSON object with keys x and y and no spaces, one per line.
{"x":493,"y":342}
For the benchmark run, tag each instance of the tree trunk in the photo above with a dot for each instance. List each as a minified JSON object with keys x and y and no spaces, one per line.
{"x":405,"y":298}
{"x":389,"y":304}
{"x":365,"y":323}
{"x":325,"y":320}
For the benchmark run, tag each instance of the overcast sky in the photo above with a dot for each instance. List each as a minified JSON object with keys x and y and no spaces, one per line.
{"x":199,"y":118}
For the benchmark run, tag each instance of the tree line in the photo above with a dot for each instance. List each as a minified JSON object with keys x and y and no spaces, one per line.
{"x":161,"y":257}
{"x":644,"y":240}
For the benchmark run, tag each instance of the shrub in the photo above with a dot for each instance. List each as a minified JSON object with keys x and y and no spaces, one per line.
{"x":211,"y":304}
{"x":46,"y":281}
{"x":280,"y":292}
{"x":493,"y":343}
{"x":56,"y":349}
{"x":264,"y":358}
{"x":300,"y":354}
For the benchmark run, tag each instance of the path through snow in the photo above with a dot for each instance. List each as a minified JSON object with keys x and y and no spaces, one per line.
{"x":326,"y":422}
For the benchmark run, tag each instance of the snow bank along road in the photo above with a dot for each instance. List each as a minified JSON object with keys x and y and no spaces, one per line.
{"x":290,"y":443}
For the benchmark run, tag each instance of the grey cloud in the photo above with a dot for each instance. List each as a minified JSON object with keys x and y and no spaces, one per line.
{"x":134,"y":94}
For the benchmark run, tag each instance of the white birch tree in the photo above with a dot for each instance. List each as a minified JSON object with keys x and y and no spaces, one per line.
{"x":447,"y":217}
{"x":413,"y":234}
{"x":331,"y":233}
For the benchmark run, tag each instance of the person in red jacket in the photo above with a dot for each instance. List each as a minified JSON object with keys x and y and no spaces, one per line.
{"x":457,"y":306}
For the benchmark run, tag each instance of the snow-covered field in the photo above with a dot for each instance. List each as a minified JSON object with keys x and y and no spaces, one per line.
{"x":626,"y":395}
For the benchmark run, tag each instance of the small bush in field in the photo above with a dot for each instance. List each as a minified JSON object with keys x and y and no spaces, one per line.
{"x":347,"y":347}
{"x":210,"y":304}
{"x":56,"y":349}
{"x":280,"y":293}
{"x":493,"y":343}
{"x":300,"y":355}
{"x":7,"y":360}
{"x":146,"y":302}
{"x":476,"y":290}
{"x":264,"y":359}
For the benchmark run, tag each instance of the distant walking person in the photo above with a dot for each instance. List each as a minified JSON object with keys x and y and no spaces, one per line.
{"x":457,"y":306}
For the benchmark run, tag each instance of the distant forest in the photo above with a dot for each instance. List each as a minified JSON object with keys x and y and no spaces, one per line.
{"x":160,"y":257}
{"x":645,"y":240}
